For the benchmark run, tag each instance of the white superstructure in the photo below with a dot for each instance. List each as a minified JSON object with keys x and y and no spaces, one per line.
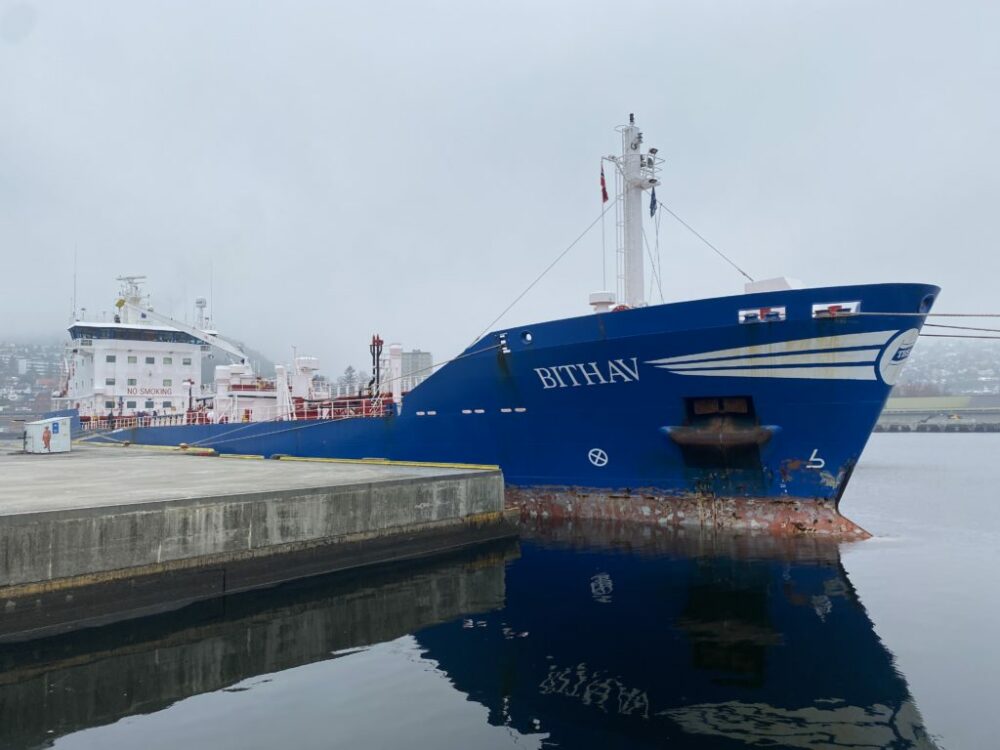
{"x":144,"y":368}
{"x":130,"y":366}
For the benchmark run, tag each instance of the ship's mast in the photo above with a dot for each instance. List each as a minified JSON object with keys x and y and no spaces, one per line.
{"x":637,"y":172}
{"x":130,"y":298}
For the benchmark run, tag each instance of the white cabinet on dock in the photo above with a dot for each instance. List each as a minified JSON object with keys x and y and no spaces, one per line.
{"x":47,"y":436}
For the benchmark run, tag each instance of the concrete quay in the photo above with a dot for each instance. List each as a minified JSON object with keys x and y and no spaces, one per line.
{"x":102,"y":534}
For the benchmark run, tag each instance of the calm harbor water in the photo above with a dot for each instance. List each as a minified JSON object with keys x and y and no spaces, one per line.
{"x":586,"y":636}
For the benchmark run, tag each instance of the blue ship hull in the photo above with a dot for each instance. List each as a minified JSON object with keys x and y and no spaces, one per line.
{"x":622,"y":401}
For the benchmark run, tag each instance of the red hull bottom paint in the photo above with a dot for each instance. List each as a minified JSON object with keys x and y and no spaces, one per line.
{"x":757,"y":515}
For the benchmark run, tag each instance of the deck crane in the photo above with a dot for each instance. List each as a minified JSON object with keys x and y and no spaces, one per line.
{"x":132,"y":310}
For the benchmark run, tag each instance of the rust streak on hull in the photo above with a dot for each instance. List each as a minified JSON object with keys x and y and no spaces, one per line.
{"x":781,"y":517}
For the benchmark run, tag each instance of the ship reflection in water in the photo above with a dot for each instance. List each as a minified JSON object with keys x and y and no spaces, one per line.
{"x":626,"y":636}
{"x":583,"y":636}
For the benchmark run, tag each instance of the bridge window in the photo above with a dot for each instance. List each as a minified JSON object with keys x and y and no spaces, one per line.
{"x":142,"y":334}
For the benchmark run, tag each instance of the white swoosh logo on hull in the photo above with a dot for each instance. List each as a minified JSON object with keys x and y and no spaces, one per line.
{"x":847,"y":357}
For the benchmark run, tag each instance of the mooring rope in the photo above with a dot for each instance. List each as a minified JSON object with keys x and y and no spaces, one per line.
{"x":217,"y":439}
{"x":214,"y":439}
{"x":942,"y":325}
{"x":927,"y":315}
{"x":961,"y":328}
{"x":958,"y":336}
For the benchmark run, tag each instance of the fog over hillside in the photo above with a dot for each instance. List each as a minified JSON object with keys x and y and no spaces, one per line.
{"x":947,"y":366}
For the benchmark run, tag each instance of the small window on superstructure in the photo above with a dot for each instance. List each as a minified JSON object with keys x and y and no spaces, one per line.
{"x":149,"y":405}
{"x":150,"y":360}
{"x":131,"y":381}
{"x":130,"y":404}
{"x":167,"y":382}
{"x":186,"y":361}
{"x":109,"y":381}
{"x":168,"y":404}
{"x":109,"y":404}
{"x":132,"y":359}
{"x":168,"y":360}
{"x":110,"y":358}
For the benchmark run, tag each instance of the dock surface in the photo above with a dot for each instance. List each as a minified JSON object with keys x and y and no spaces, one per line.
{"x":106,"y":533}
{"x":99,"y":477}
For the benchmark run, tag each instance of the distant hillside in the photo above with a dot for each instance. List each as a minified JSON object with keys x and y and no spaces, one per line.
{"x":951,"y":367}
{"x":262,"y":365}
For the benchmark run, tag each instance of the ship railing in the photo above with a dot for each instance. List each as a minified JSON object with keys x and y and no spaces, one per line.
{"x":330,"y":409}
{"x":339,"y":408}
{"x":334,"y":409}
{"x":101,"y":424}
{"x":263,"y":385}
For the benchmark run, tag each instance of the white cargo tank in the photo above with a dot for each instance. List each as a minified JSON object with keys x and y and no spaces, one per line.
{"x":47,"y":436}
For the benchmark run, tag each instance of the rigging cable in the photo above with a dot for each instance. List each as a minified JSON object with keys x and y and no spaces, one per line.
{"x":659,"y":258}
{"x":656,"y":272}
{"x":713,"y":247}
{"x":548,"y":268}
{"x":213,"y":439}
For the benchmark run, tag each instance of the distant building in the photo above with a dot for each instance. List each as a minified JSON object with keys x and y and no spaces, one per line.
{"x":40,"y":365}
{"x":416,"y":368}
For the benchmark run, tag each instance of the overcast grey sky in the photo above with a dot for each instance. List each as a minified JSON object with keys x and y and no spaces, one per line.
{"x":408,"y":167}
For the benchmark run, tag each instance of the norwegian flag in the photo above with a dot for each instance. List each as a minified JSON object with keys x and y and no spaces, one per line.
{"x":604,"y":187}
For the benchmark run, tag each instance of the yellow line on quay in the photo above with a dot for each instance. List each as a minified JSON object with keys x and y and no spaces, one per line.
{"x":387,"y":462}
{"x":146,"y":447}
{"x":255,"y":457}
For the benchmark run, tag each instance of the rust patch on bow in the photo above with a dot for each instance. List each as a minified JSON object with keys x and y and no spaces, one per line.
{"x":778,"y":516}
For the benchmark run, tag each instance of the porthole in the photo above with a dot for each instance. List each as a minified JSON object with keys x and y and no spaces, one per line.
{"x":526,"y":337}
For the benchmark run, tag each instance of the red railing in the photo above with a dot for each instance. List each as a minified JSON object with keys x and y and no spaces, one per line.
{"x":340,"y":408}
{"x":301,"y":409}
{"x":90,"y":424}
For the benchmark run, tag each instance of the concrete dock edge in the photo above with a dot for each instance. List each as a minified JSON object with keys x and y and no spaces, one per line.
{"x":61,"y":567}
